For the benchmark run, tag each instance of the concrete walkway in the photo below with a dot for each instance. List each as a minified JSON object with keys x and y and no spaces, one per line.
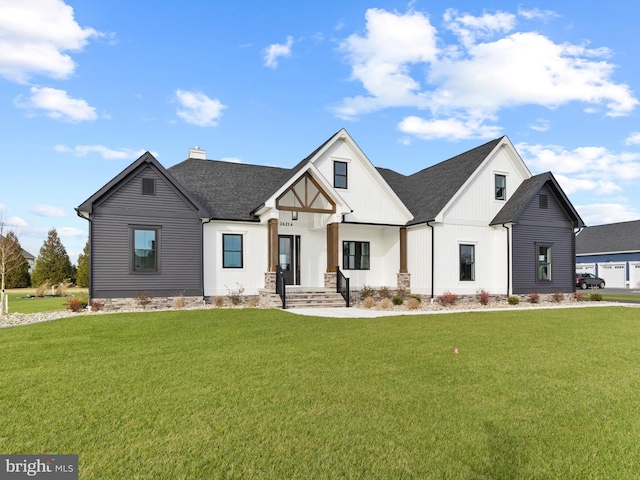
{"x":353,"y":312}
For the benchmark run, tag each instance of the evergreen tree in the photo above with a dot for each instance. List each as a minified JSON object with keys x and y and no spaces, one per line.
{"x":82,"y":279}
{"x":18,"y":276}
{"x":53,"y":264}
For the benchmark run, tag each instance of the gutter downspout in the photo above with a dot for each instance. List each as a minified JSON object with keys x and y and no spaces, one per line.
{"x":202,"y":259}
{"x":433,"y":250}
{"x":508,"y":260}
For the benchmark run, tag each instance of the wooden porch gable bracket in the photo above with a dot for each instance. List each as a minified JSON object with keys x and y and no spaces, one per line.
{"x":306,"y":195}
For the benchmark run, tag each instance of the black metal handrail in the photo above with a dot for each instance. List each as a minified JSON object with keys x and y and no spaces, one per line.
{"x":281,"y":288}
{"x":342,"y":286}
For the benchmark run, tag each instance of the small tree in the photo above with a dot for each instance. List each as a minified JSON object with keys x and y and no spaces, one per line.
{"x":11,"y":256}
{"x":53,"y":264}
{"x":18,"y":277}
{"x":82,"y":278}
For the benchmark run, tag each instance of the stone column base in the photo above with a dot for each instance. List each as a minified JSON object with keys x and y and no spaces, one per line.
{"x":404,"y":281}
{"x":270,"y":281}
{"x":330,"y":280}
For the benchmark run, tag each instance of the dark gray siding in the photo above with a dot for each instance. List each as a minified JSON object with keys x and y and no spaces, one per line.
{"x":549,"y":226}
{"x":179,"y":242}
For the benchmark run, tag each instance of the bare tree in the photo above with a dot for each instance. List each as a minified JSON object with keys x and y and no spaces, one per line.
{"x":10,"y":255}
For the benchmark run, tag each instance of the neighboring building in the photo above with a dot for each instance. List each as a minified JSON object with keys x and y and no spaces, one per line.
{"x":31,"y":260}
{"x":479,"y":220}
{"x":611,"y":252}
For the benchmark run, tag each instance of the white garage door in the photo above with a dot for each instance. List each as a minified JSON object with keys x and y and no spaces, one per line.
{"x":634,"y":275}
{"x":613,"y":274}
{"x":586,"y":268}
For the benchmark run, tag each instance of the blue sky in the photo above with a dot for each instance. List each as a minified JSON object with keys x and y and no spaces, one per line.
{"x":86,"y":87}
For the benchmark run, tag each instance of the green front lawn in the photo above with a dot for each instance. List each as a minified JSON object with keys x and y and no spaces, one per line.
{"x":20,"y":303}
{"x":253,"y":393}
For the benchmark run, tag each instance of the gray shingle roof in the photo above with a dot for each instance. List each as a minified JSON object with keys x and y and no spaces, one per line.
{"x":229,"y":191}
{"x":425,"y":193}
{"x":515,"y":206}
{"x":614,"y":237}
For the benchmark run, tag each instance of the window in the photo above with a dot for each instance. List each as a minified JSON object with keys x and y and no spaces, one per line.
{"x":231,"y":251}
{"x":340,"y":174}
{"x":543,"y":201}
{"x":145,"y":250}
{"x":148,"y":186}
{"x":544,"y":263}
{"x":467,"y":263}
{"x":501,"y":187}
{"x":355,"y":255}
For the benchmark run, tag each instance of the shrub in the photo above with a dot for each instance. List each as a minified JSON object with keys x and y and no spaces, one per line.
{"x":513,"y":300}
{"x":97,"y":305}
{"x":42,"y":289}
{"x":447,"y":298}
{"x":368,"y":302}
{"x":366,"y":291}
{"x":557,"y":297}
{"x":416,"y":297}
{"x":235,"y":296}
{"x":384,"y":303}
{"x":413,"y":303}
{"x":143,"y":299}
{"x":401,"y":292}
{"x":76,"y":304}
{"x":384,"y":292}
{"x":61,"y":289}
{"x":178,"y":302}
{"x":533,"y":298}
{"x":578,"y":296}
{"x":397,"y":300}
{"x":484,"y":297}
{"x":218,"y":301}
{"x":596,"y":297}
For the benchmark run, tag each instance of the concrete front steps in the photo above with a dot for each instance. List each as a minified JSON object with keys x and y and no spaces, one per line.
{"x":298,"y":297}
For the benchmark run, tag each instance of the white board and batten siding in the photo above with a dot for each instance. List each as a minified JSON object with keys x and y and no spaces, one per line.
{"x":218,"y":281}
{"x":368,"y":195}
{"x":384,"y":259}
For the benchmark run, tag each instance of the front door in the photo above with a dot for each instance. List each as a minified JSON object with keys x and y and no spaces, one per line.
{"x":289,"y":258}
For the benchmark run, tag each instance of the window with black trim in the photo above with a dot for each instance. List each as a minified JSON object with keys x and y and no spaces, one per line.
{"x":148,"y":186}
{"x":231,"y":250}
{"x":501,"y":187}
{"x":467,"y":263}
{"x":145,"y":249}
{"x":544,"y":201}
{"x":544,"y":263}
{"x":355,"y":255}
{"x":340,"y":174}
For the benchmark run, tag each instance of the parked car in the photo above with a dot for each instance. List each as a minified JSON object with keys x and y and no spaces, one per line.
{"x":584,"y":280}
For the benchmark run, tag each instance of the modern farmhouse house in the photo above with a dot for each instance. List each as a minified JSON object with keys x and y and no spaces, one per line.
{"x":479,"y":220}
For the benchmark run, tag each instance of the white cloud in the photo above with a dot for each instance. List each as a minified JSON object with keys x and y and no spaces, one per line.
{"x":16,"y":222}
{"x":66,"y":232}
{"x":540,"y":125}
{"x":588,"y":169}
{"x":49,"y":211}
{"x":58,"y":105}
{"x":633,"y":139}
{"x":401,"y":62}
{"x":34,"y":35}
{"x":381,"y":60}
{"x":278,"y":50}
{"x":602,"y":213}
{"x":450,"y":128}
{"x":198,"y":109}
{"x":104,"y":152}
{"x":536,"y":13}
